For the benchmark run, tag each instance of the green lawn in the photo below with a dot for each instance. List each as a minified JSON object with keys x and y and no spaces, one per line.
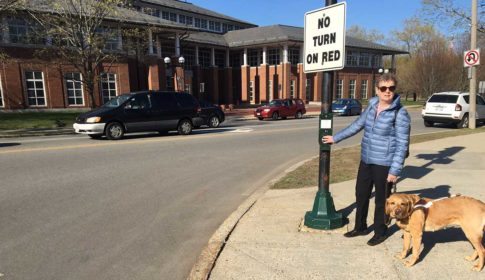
{"x":37,"y":120}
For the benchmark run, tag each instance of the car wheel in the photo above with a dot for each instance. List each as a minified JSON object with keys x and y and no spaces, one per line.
{"x":214,"y":121}
{"x":298,"y":115}
{"x":184,"y":127}
{"x":114,"y":131}
{"x":275,"y":116}
{"x":464,"y":122}
{"x":260,"y":118}
{"x":428,"y":123}
{"x":95,"y":136}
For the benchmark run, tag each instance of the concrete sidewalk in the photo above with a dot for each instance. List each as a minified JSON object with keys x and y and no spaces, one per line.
{"x":269,"y":242}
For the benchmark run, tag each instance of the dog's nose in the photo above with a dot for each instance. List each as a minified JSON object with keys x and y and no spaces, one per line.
{"x":397,"y":211}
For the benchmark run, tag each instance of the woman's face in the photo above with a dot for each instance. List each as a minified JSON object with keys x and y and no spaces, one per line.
{"x":385,"y":91}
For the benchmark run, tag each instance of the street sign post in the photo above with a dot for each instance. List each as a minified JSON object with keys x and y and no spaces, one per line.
{"x":325,"y":51}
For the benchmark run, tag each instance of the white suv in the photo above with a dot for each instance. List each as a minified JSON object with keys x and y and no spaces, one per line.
{"x":451,"y":107}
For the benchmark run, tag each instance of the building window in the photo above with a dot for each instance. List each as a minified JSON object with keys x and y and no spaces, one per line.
{"x":352,"y":59}
{"x":35,"y":88}
{"x":166,"y":15}
{"x":111,"y":38}
{"x":274,"y":56}
{"x":203,"y":23}
{"x":189,"y":20}
{"x":308,"y":91}
{"x":294,"y":56}
{"x":292,"y":88}
{"x":352,"y":89}
{"x":253,"y":58}
{"x":364,"y":60}
{"x":235,"y":59}
{"x":182,"y":19}
{"x":74,"y":89}
{"x":340,"y":85}
{"x":376,"y":61}
{"x":220,"y":58}
{"x":108,"y":86}
{"x":212,"y":25}
{"x":24,"y":32}
{"x":230,"y":27}
{"x":363,"y":89}
{"x":224,"y":27}
{"x":189,"y":55}
{"x":168,"y":48}
{"x":251,"y":91}
{"x":151,"y":11}
{"x":218,"y":27}
{"x":204,"y":57}
{"x":1,"y":94}
{"x":173,"y":17}
{"x":197,"y":22}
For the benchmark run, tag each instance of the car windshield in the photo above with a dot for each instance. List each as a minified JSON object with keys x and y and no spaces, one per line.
{"x":341,"y":102}
{"x":275,"y":103}
{"x":117,"y":101}
{"x":441,"y":98}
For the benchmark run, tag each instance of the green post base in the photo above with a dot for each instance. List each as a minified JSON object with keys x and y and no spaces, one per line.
{"x":323,"y":215}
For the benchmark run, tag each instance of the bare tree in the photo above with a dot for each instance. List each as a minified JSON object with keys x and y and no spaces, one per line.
{"x":7,"y":5}
{"x":449,"y":11}
{"x":413,"y":35}
{"x":359,"y":32}
{"x":81,"y":35}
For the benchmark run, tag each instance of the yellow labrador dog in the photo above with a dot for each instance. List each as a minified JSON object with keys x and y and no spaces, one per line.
{"x":415,"y":215}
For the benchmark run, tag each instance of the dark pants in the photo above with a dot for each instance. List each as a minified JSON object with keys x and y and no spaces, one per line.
{"x":370,"y":175}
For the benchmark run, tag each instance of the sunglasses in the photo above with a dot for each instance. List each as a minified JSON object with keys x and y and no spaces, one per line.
{"x":384,"y":89}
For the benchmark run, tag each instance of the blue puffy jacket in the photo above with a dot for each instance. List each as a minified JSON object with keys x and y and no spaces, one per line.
{"x":385,"y":140}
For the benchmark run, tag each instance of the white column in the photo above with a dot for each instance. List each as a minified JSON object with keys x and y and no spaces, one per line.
{"x":197,"y":55}
{"x":285,"y":54}
{"x":228,"y":63}
{"x":245,"y":57}
{"x":120,"y":39}
{"x":177,"y":45}
{"x":159,"y":47}
{"x":150,"y":42}
{"x":5,"y":35}
{"x":265,"y":51}
{"x":213,"y":57}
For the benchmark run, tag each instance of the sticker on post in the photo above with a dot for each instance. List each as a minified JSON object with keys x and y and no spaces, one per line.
{"x":325,"y":124}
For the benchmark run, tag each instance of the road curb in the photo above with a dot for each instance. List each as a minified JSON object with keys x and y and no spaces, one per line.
{"x":208,"y":257}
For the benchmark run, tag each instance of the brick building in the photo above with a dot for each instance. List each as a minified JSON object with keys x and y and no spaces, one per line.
{"x":226,"y":61}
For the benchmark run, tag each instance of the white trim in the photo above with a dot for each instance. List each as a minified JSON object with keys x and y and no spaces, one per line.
{"x":1,"y":94}
{"x":109,"y":89}
{"x":265,"y":53}
{"x":35,"y":89}
{"x":245,"y":57}
{"x":74,"y":83}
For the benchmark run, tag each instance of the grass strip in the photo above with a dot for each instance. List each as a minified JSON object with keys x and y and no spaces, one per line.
{"x":345,"y":162}
{"x":37,"y":120}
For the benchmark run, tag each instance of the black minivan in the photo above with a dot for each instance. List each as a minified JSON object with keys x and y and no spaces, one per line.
{"x":139,"y":112}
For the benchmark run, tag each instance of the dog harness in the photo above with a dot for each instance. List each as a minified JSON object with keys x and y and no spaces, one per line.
{"x":430,"y":203}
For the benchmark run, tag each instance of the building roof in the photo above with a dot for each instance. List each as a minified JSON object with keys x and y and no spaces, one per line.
{"x":186,"y":6}
{"x":280,"y":33}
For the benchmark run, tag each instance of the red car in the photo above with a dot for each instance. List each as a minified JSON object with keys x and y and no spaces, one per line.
{"x":281,"y":108}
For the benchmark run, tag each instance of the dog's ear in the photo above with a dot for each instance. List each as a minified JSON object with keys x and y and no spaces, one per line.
{"x":414,"y":198}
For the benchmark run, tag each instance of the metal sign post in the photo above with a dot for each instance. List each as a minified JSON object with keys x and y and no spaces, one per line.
{"x":325,"y":51}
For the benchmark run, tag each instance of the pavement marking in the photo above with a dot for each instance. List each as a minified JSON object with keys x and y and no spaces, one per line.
{"x":154,"y":140}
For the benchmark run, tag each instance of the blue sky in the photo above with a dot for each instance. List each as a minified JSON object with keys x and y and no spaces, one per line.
{"x":383,"y":15}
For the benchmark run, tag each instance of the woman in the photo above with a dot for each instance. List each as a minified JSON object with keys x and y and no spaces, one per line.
{"x":383,"y":150}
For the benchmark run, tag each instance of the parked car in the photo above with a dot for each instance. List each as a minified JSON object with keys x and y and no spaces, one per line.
{"x":346,"y":107}
{"x":281,"y":108}
{"x":141,"y":111}
{"x":211,"y":115}
{"x":451,"y":107}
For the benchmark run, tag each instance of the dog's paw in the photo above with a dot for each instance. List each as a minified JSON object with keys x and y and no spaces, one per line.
{"x":400,"y":256}
{"x":477,"y":267}
{"x":409,"y":263}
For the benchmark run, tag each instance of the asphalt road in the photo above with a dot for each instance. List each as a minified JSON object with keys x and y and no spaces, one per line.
{"x":139,"y":208}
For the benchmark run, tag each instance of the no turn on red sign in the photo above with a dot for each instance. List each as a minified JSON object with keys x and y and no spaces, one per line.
{"x":324,"y":41}
{"x":471,"y":58}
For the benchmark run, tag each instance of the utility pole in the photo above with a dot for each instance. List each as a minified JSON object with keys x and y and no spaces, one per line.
{"x":473,"y":80}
